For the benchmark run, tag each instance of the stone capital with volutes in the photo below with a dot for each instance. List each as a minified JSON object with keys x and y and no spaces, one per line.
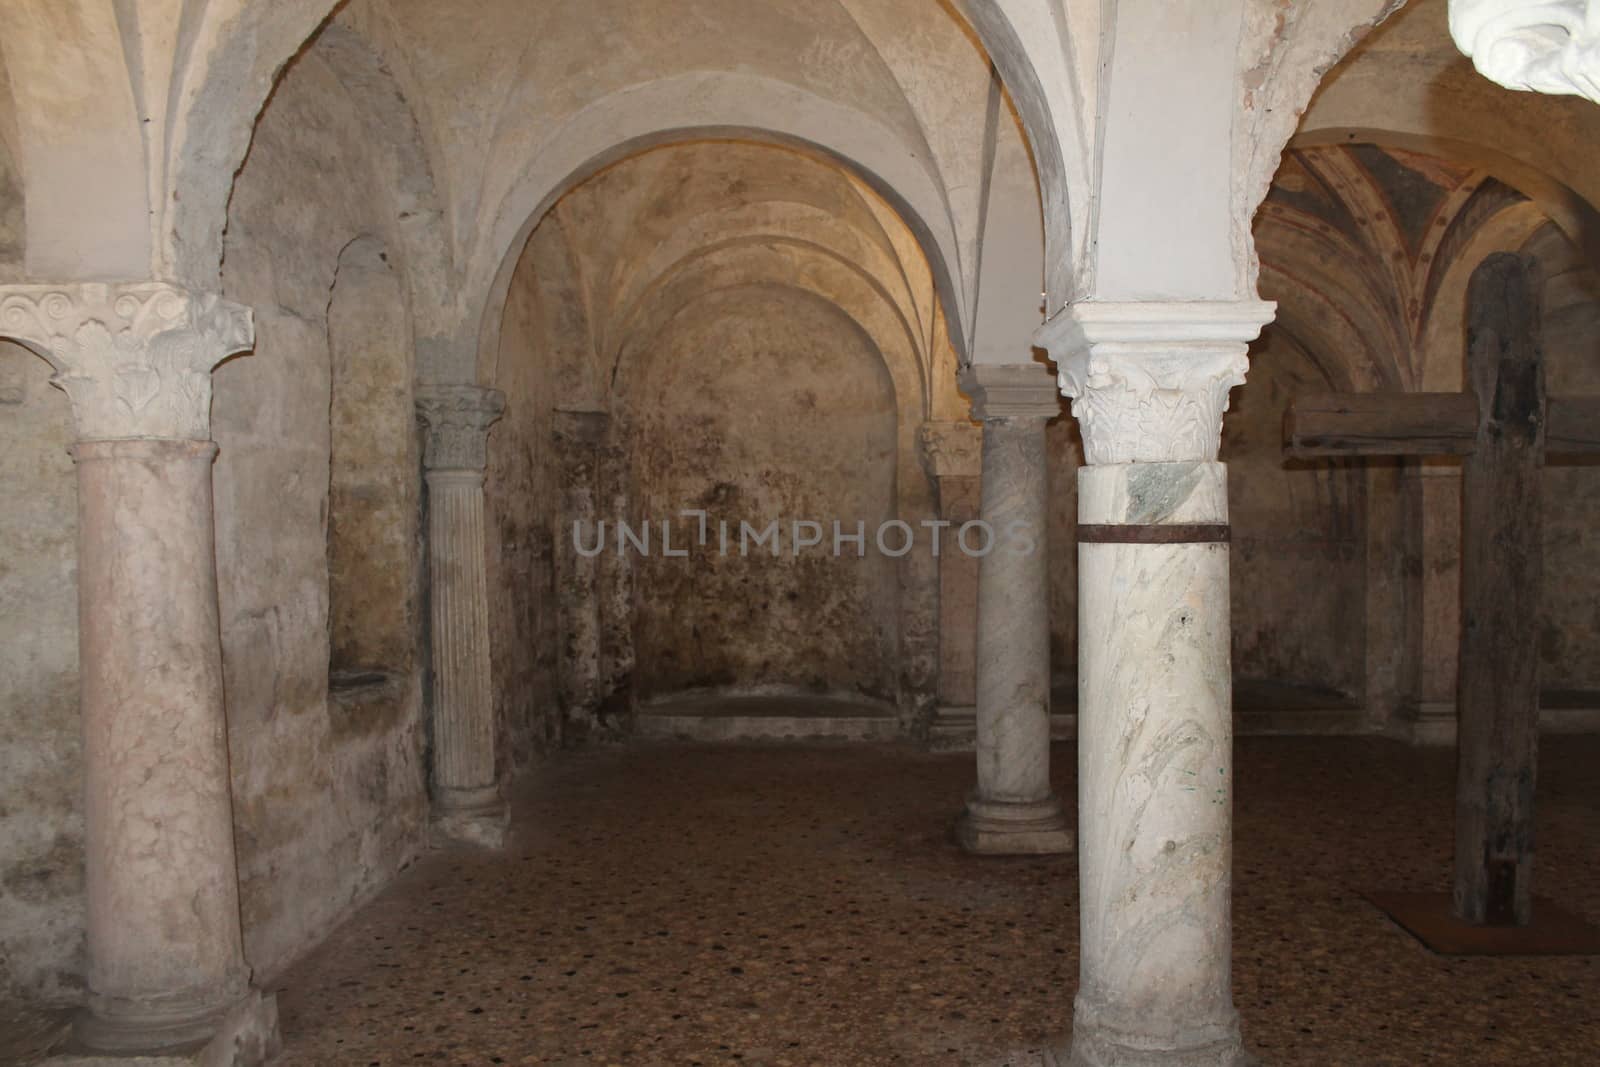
{"x":1010,"y":390}
{"x":135,"y":359}
{"x":1149,"y":381}
{"x":458,"y":418}
{"x":951,"y":449}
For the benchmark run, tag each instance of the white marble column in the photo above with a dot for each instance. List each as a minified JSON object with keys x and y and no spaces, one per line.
{"x":466,"y":789}
{"x":1149,"y":384}
{"x":166,"y":963}
{"x":1013,"y":809}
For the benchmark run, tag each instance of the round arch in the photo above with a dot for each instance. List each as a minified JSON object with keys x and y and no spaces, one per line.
{"x":715,"y":107}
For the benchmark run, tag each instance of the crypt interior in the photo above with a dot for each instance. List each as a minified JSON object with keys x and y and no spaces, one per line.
{"x":468,"y":586}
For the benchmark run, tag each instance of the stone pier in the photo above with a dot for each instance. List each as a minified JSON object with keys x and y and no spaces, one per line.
{"x":1013,"y":809}
{"x":166,"y":969}
{"x":1150,"y":383}
{"x":466,"y":789}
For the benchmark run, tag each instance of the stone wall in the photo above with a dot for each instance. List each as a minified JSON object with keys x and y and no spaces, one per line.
{"x":518,"y":509}
{"x":329,"y":794}
{"x":41,"y":822}
{"x":1298,"y":564}
{"x":760,"y":404}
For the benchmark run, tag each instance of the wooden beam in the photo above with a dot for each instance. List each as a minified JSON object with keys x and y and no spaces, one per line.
{"x":1501,"y":563}
{"x":1420,"y":424}
{"x":1381,"y":424}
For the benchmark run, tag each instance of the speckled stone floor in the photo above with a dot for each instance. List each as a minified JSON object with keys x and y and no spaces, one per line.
{"x":677,"y":904}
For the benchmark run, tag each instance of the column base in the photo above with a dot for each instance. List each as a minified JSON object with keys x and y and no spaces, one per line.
{"x":243,"y":1035}
{"x":472,"y":817}
{"x":1004,"y":828}
{"x":1090,"y":1049}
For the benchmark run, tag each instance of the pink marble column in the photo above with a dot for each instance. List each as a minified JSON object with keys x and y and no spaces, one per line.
{"x":466,"y":790}
{"x":166,"y":964}
{"x":1013,"y":810}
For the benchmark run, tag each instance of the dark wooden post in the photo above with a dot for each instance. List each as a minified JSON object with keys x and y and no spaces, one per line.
{"x":1501,"y":552}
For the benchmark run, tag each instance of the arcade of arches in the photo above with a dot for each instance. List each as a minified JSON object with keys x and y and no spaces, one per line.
{"x":706,"y":531}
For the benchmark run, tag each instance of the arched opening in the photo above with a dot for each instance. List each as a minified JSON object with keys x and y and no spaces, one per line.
{"x":740,"y":329}
{"x":1368,"y":245}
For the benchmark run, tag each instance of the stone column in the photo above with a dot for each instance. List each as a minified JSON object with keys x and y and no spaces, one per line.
{"x":466,"y":790}
{"x":578,"y":438}
{"x":166,"y":962}
{"x":952,"y":456}
{"x":1149,"y":384}
{"x":1013,"y":809}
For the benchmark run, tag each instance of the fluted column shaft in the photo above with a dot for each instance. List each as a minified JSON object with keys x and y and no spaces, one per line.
{"x":466,"y":789}
{"x":1013,"y":809}
{"x":165,"y":951}
{"x":1150,"y":383}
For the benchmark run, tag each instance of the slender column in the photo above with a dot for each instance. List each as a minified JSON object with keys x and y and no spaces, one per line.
{"x":1013,"y":809}
{"x":166,"y":962}
{"x":952,"y":455}
{"x":466,"y":789}
{"x":1149,"y":384}
{"x":578,"y":437}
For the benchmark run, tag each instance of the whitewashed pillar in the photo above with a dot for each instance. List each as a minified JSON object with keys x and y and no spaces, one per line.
{"x":1149,"y":384}
{"x":166,"y":961}
{"x":466,"y":789}
{"x":1013,"y":809}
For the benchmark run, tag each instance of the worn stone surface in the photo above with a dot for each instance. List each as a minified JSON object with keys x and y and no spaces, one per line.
{"x":1298,"y":569}
{"x":1012,"y":809}
{"x":1155,"y":779}
{"x":330,"y":794}
{"x":164,"y":947}
{"x":761,"y":407}
{"x":465,"y":770}
{"x":41,"y":807}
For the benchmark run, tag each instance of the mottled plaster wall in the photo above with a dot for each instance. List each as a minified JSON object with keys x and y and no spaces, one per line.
{"x":1569,"y":635}
{"x":41,"y":826}
{"x":41,"y":822}
{"x":519,"y":506}
{"x":1298,"y":566}
{"x":329,"y":796}
{"x":759,"y":404}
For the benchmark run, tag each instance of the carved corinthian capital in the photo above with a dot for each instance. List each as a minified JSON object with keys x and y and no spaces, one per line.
{"x":1149,"y":381}
{"x":135,"y":359}
{"x":458,"y":418}
{"x":1548,"y":46}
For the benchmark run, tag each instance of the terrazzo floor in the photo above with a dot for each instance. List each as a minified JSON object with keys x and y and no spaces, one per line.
{"x":783,"y":904}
